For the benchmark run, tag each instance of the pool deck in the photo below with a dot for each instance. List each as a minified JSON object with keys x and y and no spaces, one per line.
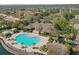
{"x":17,"y":48}
{"x":43,"y":40}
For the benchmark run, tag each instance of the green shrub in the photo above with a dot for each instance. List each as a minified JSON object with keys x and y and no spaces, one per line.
{"x":68,"y":46}
{"x":44,"y":48}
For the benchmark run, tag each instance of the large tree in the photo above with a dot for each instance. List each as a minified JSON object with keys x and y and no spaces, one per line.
{"x":68,"y":15}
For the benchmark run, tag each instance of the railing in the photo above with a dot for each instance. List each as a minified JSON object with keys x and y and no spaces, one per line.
{"x":18,"y":51}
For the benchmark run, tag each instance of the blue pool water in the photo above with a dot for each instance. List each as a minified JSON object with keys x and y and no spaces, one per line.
{"x":27,"y":40}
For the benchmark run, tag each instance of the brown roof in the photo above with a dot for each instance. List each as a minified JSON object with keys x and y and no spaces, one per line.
{"x":57,"y":49}
{"x":47,"y":27}
{"x":44,"y":27}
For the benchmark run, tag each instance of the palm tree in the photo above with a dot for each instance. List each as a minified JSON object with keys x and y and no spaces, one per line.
{"x":51,"y":39}
{"x":44,"y":48}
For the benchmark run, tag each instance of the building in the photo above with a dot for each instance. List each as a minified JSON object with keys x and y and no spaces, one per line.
{"x":43,"y":27}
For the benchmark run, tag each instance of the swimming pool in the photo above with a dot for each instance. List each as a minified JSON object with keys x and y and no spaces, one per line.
{"x":27,"y":40}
